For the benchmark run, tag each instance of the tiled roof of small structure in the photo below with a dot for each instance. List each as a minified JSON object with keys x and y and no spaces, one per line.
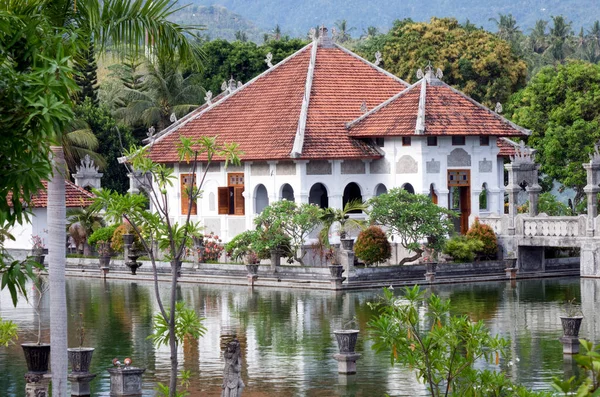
{"x":263,"y":115}
{"x":447,"y":111}
{"x":75,"y":196}
{"x":507,"y":147}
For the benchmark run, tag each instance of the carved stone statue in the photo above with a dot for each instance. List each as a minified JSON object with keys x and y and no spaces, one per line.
{"x":232,"y":379}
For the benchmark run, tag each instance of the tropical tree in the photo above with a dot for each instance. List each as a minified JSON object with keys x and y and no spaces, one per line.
{"x":370,"y":32}
{"x":412,"y":218}
{"x":560,"y":33}
{"x":560,"y":107}
{"x":77,"y":142}
{"x":164,"y":92}
{"x":39,"y":41}
{"x":477,"y":62}
{"x":538,"y":36}
{"x":507,"y":27}
{"x":157,"y":225}
{"x":86,"y":75}
{"x":341,"y":217}
{"x":342,"y":34}
{"x":81,"y":223}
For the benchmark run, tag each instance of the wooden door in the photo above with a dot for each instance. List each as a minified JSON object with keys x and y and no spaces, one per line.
{"x":461,"y":180}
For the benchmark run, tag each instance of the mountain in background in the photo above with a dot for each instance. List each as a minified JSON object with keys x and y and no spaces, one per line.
{"x":297,"y":17}
{"x":218,"y":21}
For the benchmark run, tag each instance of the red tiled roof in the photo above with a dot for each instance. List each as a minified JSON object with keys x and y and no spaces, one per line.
{"x":263,"y":115}
{"x":506,"y":148}
{"x":447,"y":112}
{"x":75,"y":196}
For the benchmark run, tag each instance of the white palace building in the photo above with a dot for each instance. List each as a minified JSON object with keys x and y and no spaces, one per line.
{"x":325,"y":126}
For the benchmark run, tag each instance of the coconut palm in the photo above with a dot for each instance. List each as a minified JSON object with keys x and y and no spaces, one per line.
{"x":343,"y":31}
{"x":79,"y":141}
{"x":507,"y":27}
{"x":560,"y":34}
{"x":65,"y":24}
{"x":538,"y":36}
{"x":164,"y":92}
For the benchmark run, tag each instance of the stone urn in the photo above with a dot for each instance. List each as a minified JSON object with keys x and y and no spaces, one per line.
{"x":104,"y":261}
{"x":126,"y":381}
{"x":252,"y":269}
{"x":346,"y":340}
{"x":336,"y":271}
{"x":571,"y":326}
{"x":347,"y":244}
{"x":127,"y":239}
{"x":37,"y":357}
{"x":80,"y":359}
{"x":133,"y":264}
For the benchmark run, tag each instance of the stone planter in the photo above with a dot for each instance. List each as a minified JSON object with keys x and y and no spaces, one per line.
{"x":275,"y":259}
{"x":336,"y":271}
{"x":80,"y":359}
{"x":571,"y":326}
{"x":104,"y":261}
{"x":252,"y":269}
{"x":133,"y":264}
{"x":37,"y":357}
{"x":126,"y":381}
{"x":347,"y":243}
{"x":39,"y":259}
{"x":346,"y":340}
{"x":128,"y":239}
{"x":510,"y":263}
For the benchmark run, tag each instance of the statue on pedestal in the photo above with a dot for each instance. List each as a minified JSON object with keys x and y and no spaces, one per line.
{"x":232,"y":379}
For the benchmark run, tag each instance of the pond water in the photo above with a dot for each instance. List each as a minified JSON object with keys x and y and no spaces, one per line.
{"x":286,"y":335}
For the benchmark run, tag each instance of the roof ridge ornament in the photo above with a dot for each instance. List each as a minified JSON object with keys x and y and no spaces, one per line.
{"x":173,"y":118}
{"x":595,"y":157}
{"x":420,"y":73}
{"x":208,"y":98}
{"x":325,"y":40}
{"x":268,"y":60}
{"x":363,"y":107}
{"x":312,"y":34}
{"x":150,"y":134}
{"x":377,"y":58}
{"x":498,"y":109}
{"x":523,"y":154}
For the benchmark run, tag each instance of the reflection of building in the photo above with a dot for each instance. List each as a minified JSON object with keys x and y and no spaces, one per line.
{"x":325,"y":126}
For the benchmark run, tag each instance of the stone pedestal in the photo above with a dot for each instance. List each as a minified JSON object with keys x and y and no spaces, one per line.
{"x":80,"y":383}
{"x":430,"y":277}
{"x":126,"y":381}
{"x":336,"y":278}
{"x":570,"y":344}
{"x":37,"y":384}
{"x":346,"y":362}
{"x":511,"y":273}
{"x":347,"y":261}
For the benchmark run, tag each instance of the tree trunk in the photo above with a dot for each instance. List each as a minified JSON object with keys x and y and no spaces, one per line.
{"x":57,"y":221}
{"x":172,"y":336}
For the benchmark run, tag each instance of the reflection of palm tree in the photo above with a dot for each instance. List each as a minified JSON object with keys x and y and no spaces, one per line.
{"x":165,"y":91}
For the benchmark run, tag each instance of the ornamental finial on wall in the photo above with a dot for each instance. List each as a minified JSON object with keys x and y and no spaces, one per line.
{"x":150,"y":134}
{"x":312,"y":34}
{"x":173,"y":118}
{"x":363,"y":107}
{"x":208,"y":98}
{"x":224,"y":86}
{"x":498,"y":108}
{"x":420,"y":74}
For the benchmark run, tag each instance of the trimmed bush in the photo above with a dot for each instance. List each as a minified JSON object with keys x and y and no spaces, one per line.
{"x":117,"y":239}
{"x":463,"y":249}
{"x":372,"y":246}
{"x":103,"y":234}
{"x":486,"y":235}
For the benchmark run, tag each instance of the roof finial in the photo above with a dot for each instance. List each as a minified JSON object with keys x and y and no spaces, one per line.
{"x":208,"y":98}
{"x":363,"y":107}
{"x":377,"y":58}
{"x":268,"y":60}
{"x":224,"y":85}
{"x":498,"y":108}
{"x":173,"y":118}
{"x":324,"y":39}
{"x":420,"y":74}
{"x":312,"y":34}
{"x":150,"y":134}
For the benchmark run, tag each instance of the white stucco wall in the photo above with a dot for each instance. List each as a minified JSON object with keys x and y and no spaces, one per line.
{"x":38,"y":225}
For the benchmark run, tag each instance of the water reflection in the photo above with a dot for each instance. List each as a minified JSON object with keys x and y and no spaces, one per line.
{"x":286,"y":335}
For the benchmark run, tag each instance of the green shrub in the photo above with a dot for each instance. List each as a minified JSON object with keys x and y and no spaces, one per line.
{"x":240,"y":245}
{"x":486,"y":235}
{"x":117,"y":239}
{"x":372,"y":246}
{"x":463,"y":249}
{"x":104,"y":234}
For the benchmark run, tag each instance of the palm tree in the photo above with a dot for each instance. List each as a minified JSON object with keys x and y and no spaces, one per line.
{"x":343,"y":31}
{"x":507,"y":27}
{"x":560,"y":34}
{"x":125,"y":24}
{"x":79,"y":141}
{"x":538,"y":36}
{"x":277,"y":32}
{"x":370,"y":32}
{"x":332,"y":216}
{"x":82,"y":222}
{"x":164,"y":92}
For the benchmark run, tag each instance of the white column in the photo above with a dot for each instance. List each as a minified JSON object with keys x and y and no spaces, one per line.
{"x":302,"y":195}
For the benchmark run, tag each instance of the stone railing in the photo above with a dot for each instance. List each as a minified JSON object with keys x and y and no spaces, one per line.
{"x":551,"y":226}
{"x":498,"y":223}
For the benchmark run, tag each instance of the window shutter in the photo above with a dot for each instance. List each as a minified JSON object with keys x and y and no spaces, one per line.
{"x":239,"y":201}
{"x":224,"y":200}
{"x":186,"y":180}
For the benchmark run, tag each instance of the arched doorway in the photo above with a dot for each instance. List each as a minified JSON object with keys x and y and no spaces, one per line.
{"x":287,"y":192}
{"x":318,"y":195}
{"x":380,"y":189}
{"x":409,"y":188}
{"x":261,"y":198}
{"x":351,"y":193}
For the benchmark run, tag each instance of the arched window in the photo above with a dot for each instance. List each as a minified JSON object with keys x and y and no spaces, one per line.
{"x":432,"y":194}
{"x":483,"y":197}
{"x":380,"y":189}
{"x":409,"y":188}
{"x":318,"y":195}
{"x":351,"y":193}
{"x":261,"y":199}
{"x":287,"y":192}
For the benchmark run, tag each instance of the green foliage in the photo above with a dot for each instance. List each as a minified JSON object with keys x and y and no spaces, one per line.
{"x":103,"y":234}
{"x":486,"y":235}
{"x":441,"y":348}
{"x":549,"y":205}
{"x":331,"y":216}
{"x":372,"y":246}
{"x":241,"y":245}
{"x":15,"y":274}
{"x":184,"y":382}
{"x":8,"y":332}
{"x":413,"y":217}
{"x":294,"y":223}
{"x":559,"y":105}
{"x":116,"y":241}
{"x":588,"y":360}
{"x":86,"y":77}
{"x":187,"y":324}
{"x":474,"y":61}
{"x":463,"y":249}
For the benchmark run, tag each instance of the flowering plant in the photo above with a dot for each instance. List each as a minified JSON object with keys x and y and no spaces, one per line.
{"x":252,"y":258}
{"x":212,"y":247}
{"x":38,"y":242}
{"x":429,"y":254}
